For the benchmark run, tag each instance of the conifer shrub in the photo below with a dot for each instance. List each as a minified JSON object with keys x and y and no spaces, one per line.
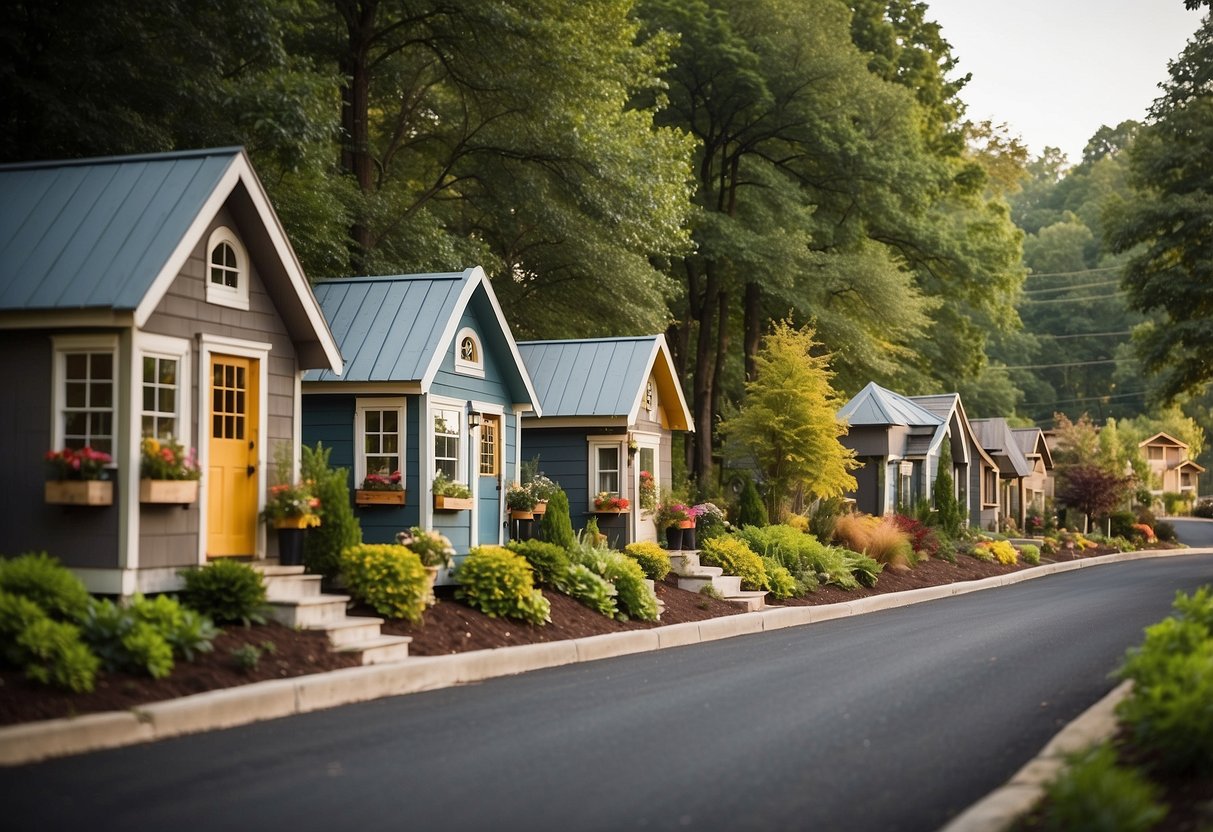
{"x":499,"y":583}
{"x":339,"y":527}
{"x":752,"y":511}
{"x":227,"y":591}
{"x":736,"y":558}
{"x":1093,"y":794}
{"x":48,"y":583}
{"x":556,"y":527}
{"x":549,"y":561}
{"x":387,"y":577}
{"x":948,"y":513}
{"x":652,"y":559}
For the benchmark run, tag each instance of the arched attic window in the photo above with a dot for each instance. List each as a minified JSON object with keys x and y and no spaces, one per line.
{"x":227,"y":271}
{"x":469,"y":356}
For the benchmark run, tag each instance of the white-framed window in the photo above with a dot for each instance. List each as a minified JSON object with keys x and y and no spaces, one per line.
{"x":606,"y":467}
{"x":227,"y":270}
{"x":85,"y":391}
{"x":469,"y":357}
{"x":990,"y":495}
{"x":448,"y":441}
{"x":164,"y":388}
{"x":379,"y":437}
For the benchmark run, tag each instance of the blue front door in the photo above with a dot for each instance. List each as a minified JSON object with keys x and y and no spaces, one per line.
{"x":488,"y":508}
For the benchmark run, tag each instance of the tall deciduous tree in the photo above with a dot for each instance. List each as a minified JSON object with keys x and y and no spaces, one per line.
{"x":788,"y":422}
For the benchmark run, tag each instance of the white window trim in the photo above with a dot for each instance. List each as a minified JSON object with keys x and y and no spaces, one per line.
{"x":63,"y":344}
{"x":617,"y":442}
{"x":469,"y":368}
{"x":162,"y":346}
{"x":361,"y":406}
{"x":237,"y":297}
{"x":440,"y":403}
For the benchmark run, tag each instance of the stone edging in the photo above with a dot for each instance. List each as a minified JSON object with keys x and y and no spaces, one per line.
{"x":230,"y":707}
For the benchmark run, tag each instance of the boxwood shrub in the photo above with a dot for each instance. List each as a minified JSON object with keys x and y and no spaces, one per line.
{"x":387,"y":577}
{"x":654,"y":560}
{"x":227,"y":591}
{"x":736,"y":558}
{"x":499,"y":583}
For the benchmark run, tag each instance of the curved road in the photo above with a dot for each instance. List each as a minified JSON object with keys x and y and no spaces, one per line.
{"x":892,"y":720}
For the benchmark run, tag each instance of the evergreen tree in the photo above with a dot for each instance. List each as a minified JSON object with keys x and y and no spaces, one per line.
{"x":556,"y":527}
{"x":751,"y":512}
{"x":947,"y":507}
{"x":338,"y":528}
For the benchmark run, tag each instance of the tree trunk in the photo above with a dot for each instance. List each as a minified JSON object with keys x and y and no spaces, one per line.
{"x":705,"y":348}
{"x":356,"y":158}
{"x":722,"y":349}
{"x":752,"y":326}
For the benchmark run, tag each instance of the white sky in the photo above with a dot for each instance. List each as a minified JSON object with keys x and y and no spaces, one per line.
{"x":1056,"y":70}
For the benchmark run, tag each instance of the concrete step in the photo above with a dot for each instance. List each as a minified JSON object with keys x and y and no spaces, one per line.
{"x":701,"y":572}
{"x":272,"y":568}
{"x":309,"y":611}
{"x":282,"y":587}
{"x":380,"y":650}
{"x":351,"y":630}
{"x":726,"y":585}
{"x":749,"y":600}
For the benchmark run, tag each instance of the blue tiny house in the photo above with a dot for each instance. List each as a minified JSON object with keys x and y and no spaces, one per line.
{"x":433,"y":383}
{"x":609,"y":409}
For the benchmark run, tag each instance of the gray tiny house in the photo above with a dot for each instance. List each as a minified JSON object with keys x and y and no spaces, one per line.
{"x":609,"y":409}
{"x":148,"y":296}
{"x":433,"y":382}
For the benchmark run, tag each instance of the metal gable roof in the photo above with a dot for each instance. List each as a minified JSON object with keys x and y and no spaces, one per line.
{"x":874,"y":405}
{"x":996,"y":438}
{"x":96,"y":233}
{"x":603,"y":377}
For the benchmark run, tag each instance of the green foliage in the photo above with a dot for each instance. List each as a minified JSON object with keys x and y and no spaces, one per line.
{"x":52,"y":652}
{"x":1094,"y":794}
{"x":782,"y":584}
{"x":824,"y":517}
{"x":1170,"y":710}
{"x":1165,"y":531}
{"x":247,"y":657}
{"x":1030,"y":554}
{"x":556,"y":527}
{"x":752,"y":511}
{"x":226,"y":591}
{"x":635,"y":597}
{"x":948,"y":512}
{"x":549,"y":561}
{"x":42,"y":579}
{"x":498,"y":582}
{"x":589,"y":588}
{"x":804,"y":556}
{"x":388,"y":578}
{"x":865,"y":570}
{"x":736,"y":558}
{"x":125,"y":642}
{"x":339,"y":528}
{"x":788,"y":422}
{"x":652,"y":559}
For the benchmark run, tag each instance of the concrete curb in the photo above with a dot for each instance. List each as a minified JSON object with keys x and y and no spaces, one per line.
{"x":1001,"y":808}
{"x":230,"y":707}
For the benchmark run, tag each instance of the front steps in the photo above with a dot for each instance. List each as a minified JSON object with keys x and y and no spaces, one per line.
{"x":296,"y":601}
{"x":692,"y":576}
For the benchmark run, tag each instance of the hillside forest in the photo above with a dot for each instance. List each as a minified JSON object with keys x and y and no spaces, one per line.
{"x":703,"y":168}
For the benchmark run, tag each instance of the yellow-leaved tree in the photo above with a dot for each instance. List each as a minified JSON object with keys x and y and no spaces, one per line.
{"x":788,"y":424}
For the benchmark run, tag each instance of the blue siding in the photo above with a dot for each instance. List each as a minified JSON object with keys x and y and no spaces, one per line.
{"x":564,"y":457}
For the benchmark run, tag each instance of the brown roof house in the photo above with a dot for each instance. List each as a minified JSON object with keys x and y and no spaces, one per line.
{"x":147,"y":296}
{"x":1171,"y":469}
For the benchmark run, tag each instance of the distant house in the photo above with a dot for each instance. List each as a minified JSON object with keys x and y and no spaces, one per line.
{"x":148,"y":296}
{"x":433,"y":383}
{"x":898,"y":440}
{"x":1038,"y":485}
{"x":609,"y":409}
{"x":1007,"y":481}
{"x":1170,"y":467}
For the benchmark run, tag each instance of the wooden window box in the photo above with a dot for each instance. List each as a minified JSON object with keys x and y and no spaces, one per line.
{"x":610,"y":511}
{"x":378,"y":497}
{"x":80,"y":493}
{"x":177,"y":492}
{"x":516,"y":514}
{"x":452,"y":503}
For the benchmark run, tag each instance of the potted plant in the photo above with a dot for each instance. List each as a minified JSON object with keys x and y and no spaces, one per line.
{"x":434,"y":550}
{"x":291,"y":509}
{"x":81,"y":478}
{"x":168,"y":473}
{"x":671,"y":515}
{"x":380,"y":489}
{"x":607,"y":503}
{"x":542,"y":489}
{"x":450,"y":495}
{"x":520,"y":501}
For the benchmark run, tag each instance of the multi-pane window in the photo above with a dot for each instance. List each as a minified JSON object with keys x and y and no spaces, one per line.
{"x":448,"y":428}
{"x":161,"y":388}
{"x":490,"y":445}
{"x":229,"y":405}
{"x":607,"y":457}
{"x":88,"y":400}
{"x":381,"y":440}
{"x":469,"y":359}
{"x":225,"y":268}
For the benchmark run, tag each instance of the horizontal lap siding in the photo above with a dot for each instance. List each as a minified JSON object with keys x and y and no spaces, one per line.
{"x":564,"y":458}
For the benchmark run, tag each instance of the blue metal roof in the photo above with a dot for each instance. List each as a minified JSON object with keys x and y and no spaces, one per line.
{"x":603,"y":377}
{"x":996,"y":438}
{"x":96,"y":233}
{"x":874,"y":405}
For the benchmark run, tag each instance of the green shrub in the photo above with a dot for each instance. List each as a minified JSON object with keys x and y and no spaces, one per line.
{"x":1164,"y":531}
{"x":824,"y":517}
{"x":186,"y":631}
{"x":1030,"y":554}
{"x":124,"y":642}
{"x":864,"y":570}
{"x":248,"y":656}
{"x":498,"y":582}
{"x":1122,"y":523}
{"x":550,"y":562}
{"x":556,"y":527}
{"x":582,"y":584}
{"x":42,"y":579}
{"x":51,"y":652}
{"x":752,"y":510}
{"x":809,"y":561}
{"x":782,"y":584}
{"x":1197,"y":608}
{"x":946,"y":550}
{"x":387,"y":577}
{"x":1094,"y":794}
{"x":736,"y":558}
{"x":634,"y":596}
{"x":654,"y":560}
{"x":17,"y":613}
{"x":227,"y":591}
{"x":339,"y":528}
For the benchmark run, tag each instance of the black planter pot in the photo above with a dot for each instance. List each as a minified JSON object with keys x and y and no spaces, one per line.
{"x":688,"y":539}
{"x":290,"y":546}
{"x":673,"y":538}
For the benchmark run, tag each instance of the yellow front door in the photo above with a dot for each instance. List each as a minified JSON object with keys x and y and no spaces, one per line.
{"x":232,"y":476}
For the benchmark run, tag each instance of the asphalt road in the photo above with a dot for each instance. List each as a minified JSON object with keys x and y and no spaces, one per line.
{"x":893,"y":720}
{"x":1194,"y":531}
